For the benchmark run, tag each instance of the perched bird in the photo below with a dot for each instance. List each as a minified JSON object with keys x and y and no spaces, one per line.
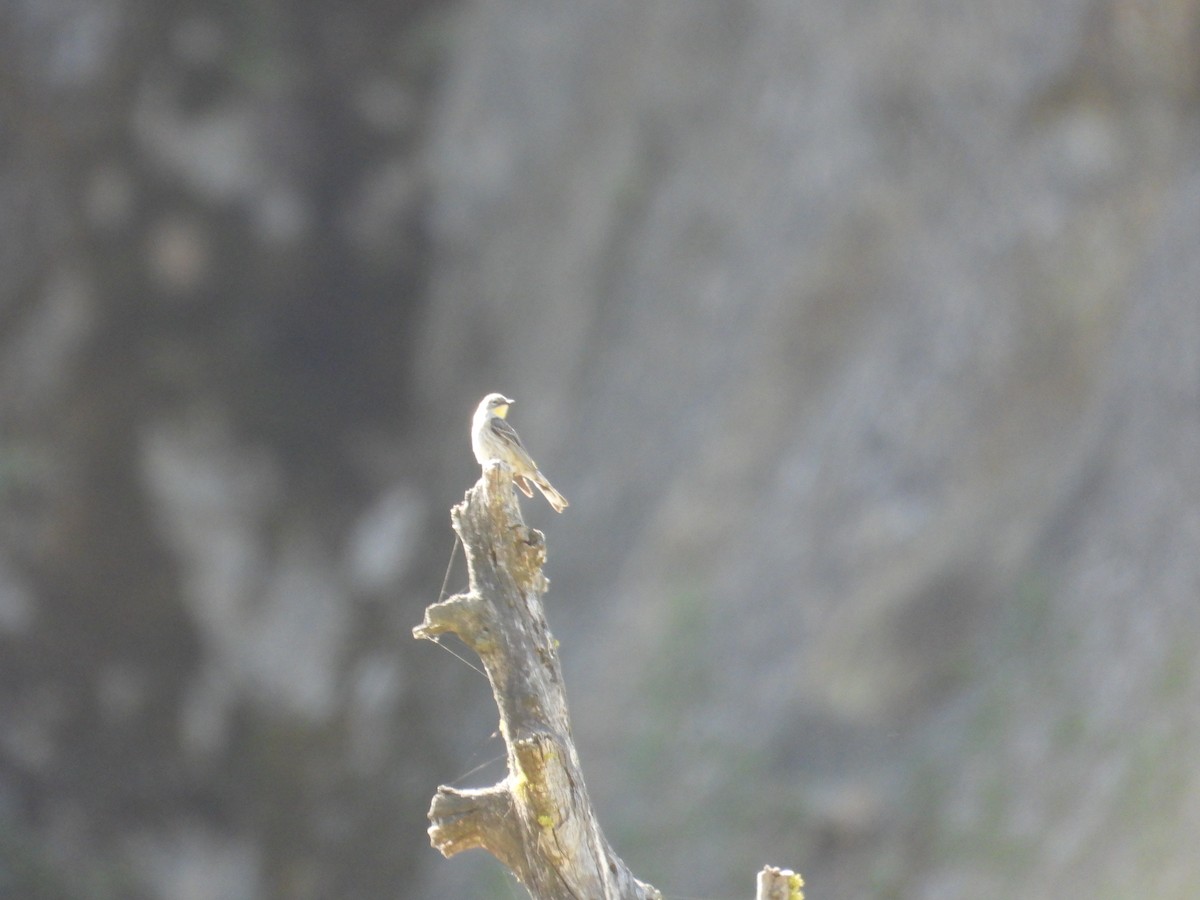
{"x":493,"y":438}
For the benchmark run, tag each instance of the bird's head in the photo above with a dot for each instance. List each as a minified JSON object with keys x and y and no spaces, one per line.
{"x":497,"y":403}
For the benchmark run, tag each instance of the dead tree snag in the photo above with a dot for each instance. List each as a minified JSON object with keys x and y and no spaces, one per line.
{"x":539,"y":820}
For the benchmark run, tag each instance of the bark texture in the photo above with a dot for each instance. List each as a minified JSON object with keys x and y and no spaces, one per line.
{"x":779,"y":884}
{"x":538,"y":821}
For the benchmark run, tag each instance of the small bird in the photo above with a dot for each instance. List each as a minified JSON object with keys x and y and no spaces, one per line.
{"x":493,"y":438}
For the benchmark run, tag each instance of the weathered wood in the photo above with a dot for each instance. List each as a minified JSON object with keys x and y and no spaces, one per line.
{"x":779,"y":884}
{"x":538,"y":821}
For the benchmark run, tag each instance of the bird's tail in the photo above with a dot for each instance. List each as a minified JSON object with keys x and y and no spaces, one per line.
{"x":553,"y":497}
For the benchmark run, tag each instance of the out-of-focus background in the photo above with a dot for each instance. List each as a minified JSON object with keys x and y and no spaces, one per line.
{"x":864,"y":339}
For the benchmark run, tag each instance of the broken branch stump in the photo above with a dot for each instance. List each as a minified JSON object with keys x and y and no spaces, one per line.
{"x":779,"y":884}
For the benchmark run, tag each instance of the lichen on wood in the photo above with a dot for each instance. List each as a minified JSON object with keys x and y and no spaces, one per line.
{"x":779,"y":884}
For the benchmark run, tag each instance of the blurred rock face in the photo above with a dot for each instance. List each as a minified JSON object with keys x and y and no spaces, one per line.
{"x":862,"y":338}
{"x":855,"y":302}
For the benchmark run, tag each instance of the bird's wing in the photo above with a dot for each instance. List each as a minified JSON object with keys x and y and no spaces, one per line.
{"x":506,"y":433}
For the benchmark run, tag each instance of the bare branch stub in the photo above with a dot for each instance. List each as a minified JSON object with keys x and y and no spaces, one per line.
{"x":539,"y":820}
{"x":779,"y":884}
